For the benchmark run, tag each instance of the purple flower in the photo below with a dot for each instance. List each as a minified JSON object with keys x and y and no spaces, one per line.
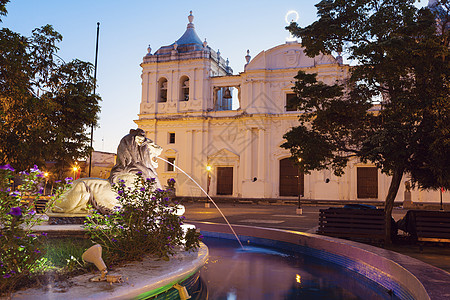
{"x":114,"y":240}
{"x":68,"y":179}
{"x":142,"y":189}
{"x":44,"y":234}
{"x":41,"y":190}
{"x":57,"y":181}
{"x":139,"y":173}
{"x":7,"y":276}
{"x":34,"y":169}
{"x":7,"y":167}
{"x":171,"y":180}
{"x":37,"y":251}
{"x":200,"y":236}
{"x":120,"y":192}
{"x":40,"y":175}
{"x":24,"y":173}
{"x":118,"y":197}
{"x":15,"y":211}
{"x":32,"y":212}
{"x":15,"y":194}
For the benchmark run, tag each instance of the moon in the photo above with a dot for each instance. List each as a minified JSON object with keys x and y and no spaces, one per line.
{"x":293,"y":18}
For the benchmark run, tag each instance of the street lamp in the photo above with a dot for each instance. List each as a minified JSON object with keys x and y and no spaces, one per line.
{"x":75,"y":170}
{"x":208,"y":183}
{"x":299,"y":209}
{"x":46,"y":174}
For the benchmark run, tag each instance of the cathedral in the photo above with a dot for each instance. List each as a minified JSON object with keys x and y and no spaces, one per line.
{"x":225,"y":130}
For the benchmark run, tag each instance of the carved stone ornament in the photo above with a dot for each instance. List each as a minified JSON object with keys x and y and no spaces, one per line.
{"x":291,"y":57}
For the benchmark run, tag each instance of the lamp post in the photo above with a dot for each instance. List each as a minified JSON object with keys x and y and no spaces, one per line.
{"x":46,"y":174}
{"x":299,"y":209}
{"x":95,"y":84}
{"x":208,"y":183}
{"x":75,"y":170}
{"x":440,"y":191}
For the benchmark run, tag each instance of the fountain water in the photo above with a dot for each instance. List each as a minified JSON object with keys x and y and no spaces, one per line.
{"x":207,"y":195}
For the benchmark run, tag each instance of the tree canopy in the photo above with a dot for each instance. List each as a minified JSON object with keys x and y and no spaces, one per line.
{"x":46,"y":104}
{"x":394,"y":109}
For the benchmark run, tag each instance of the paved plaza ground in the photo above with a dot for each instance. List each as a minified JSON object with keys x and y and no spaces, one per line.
{"x":285,"y":217}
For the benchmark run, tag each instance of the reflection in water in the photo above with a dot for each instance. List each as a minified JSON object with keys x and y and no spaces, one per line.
{"x":265,"y":273}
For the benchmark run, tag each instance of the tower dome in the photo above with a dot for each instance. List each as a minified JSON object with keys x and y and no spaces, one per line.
{"x":188,"y":42}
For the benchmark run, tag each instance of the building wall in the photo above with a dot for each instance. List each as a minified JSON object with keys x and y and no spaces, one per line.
{"x":247,"y":139}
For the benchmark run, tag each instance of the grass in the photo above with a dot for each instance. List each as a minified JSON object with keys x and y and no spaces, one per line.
{"x":65,"y":253}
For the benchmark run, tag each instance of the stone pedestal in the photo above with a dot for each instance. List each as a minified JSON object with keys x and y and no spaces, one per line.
{"x":407,"y":201}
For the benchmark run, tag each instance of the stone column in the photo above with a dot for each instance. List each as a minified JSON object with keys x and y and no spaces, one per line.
{"x":248,"y":154}
{"x":262,"y":159}
{"x":189,"y":150}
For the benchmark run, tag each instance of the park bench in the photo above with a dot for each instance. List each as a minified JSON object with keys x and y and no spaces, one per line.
{"x":430,"y":226}
{"x":358,"y":224}
{"x":39,"y":204}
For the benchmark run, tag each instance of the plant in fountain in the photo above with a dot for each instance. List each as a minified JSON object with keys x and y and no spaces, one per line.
{"x":145,"y":223}
{"x":21,"y":250}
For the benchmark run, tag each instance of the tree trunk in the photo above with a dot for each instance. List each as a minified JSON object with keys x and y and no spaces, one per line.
{"x":389,"y":203}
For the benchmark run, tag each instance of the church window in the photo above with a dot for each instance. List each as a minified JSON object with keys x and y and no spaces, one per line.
{"x":170,"y":167}
{"x":184,"y":89}
{"x":162,"y":90}
{"x":224,"y":98}
{"x":290,"y":102}
{"x":171,"y":137}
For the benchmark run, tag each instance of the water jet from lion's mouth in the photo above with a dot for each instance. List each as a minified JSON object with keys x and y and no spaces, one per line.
{"x":207,"y":195}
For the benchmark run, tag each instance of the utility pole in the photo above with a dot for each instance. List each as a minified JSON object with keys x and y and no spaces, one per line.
{"x":95,"y":85}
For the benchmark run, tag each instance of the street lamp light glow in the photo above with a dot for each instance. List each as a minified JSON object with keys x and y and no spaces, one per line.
{"x":208,"y":168}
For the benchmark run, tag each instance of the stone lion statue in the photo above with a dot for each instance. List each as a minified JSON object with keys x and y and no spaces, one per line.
{"x":135,"y":154}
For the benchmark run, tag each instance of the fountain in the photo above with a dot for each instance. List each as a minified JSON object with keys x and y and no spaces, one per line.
{"x":396,"y":277}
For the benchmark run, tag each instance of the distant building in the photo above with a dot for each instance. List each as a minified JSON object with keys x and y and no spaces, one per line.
{"x":202,"y":115}
{"x":102,"y":163}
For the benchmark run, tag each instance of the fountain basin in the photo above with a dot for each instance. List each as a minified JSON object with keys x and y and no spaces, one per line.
{"x":405,"y":277}
{"x":142,"y":279}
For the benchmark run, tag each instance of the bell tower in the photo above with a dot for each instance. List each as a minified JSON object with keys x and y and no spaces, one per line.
{"x":176,"y":78}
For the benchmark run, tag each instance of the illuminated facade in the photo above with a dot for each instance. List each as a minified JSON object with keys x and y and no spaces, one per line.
{"x":202,"y":115}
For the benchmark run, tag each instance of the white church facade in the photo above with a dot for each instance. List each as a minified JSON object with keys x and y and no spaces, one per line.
{"x":225,"y":130}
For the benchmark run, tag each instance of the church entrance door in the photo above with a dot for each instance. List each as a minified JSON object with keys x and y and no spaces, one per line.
{"x":224,"y":180}
{"x":367,"y":182}
{"x":291,"y":180}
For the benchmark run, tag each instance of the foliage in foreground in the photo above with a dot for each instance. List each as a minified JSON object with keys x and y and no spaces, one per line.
{"x":21,"y":250}
{"x":145,"y":223}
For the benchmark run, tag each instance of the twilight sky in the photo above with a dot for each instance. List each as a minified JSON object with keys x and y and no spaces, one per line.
{"x":128,"y":27}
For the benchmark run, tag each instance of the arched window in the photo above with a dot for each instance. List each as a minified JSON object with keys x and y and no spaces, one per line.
{"x":184,"y":91}
{"x":162,"y":88}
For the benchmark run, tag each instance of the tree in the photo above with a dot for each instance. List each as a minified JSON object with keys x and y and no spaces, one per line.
{"x":403,"y":61}
{"x":3,"y":10}
{"x":46,"y":105}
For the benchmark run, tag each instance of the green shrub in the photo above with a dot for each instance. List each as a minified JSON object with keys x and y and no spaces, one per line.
{"x":145,"y":223}
{"x":21,"y":250}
